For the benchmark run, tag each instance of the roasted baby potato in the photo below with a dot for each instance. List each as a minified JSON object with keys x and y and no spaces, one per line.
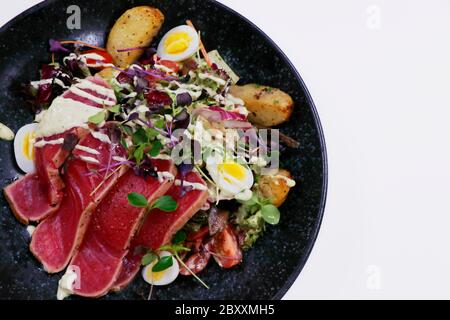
{"x":108,"y":74}
{"x":275,"y":188}
{"x":268,"y":106}
{"x":135,"y":28}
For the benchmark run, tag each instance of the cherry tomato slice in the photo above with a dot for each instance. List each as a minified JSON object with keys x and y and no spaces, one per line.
{"x":106,"y":57}
{"x":175,"y":67}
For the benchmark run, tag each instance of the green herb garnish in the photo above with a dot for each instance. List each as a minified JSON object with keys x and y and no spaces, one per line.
{"x":164,"y":203}
{"x":98,"y":118}
{"x":163,"y":264}
{"x":137,"y":200}
{"x":271,"y":214}
{"x":149,"y":258}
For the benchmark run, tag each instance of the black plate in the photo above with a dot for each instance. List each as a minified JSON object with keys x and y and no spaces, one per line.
{"x":273,"y":265}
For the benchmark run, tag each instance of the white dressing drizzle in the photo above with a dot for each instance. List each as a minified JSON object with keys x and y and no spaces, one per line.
{"x":165,"y":176}
{"x":30,"y":230}
{"x":87,"y":149}
{"x":65,"y":285}
{"x":194,"y":186}
{"x":43,"y":143}
{"x":89,"y":160}
{"x":101,"y":136}
{"x":64,"y":114}
{"x":89,"y":96}
{"x":97,"y":88}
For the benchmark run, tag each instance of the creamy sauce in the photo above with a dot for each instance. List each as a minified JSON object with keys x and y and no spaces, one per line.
{"x":84,"y":94}
{"x":97,"y":88}
{"x":89,"y":160}
{"x":93,"y":56}
{"x":193,"y":90}
{"x":289,"y":182}
{"x":217,"y":80}
{"x":6,"y":133}
{"x":87,"y":149}
{"x":30,"y":230}
{"x":194,"y":186}
{"x":64,"y":114}
{"x":101,"y":136}
{"x":165,"y":176}
{"x":65,"y":285}
{"x":43,"y":143}
{"x":119,"y":159}
{"x":36,"y":84}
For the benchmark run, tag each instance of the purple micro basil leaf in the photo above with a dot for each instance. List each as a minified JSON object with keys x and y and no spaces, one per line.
{"x":184,"y":169}
{"x":133,"y":116}
{"x":184,"y":99}
{"x":56,"y":47}
{"x":131,"y":49}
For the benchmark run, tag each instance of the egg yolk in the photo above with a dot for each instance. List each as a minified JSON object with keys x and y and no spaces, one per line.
{"x":155,"y":276}
{"x":177,"y":42}
{"x":27,"y":148}
{"x":234,"y":170}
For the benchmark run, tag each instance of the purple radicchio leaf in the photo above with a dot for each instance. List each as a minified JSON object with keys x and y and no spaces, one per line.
{"x":44,"y":94}
{"x":56,"y":47}
{"x":48,"y":72}
{"x":158,"y":99}
{"x":124,"y":78}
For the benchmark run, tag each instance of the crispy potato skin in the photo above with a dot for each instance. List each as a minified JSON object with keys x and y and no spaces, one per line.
{"x":269,"y":107}
{"x":135,"y":28}
{"x":275,"y":188}
{"x":108,"y":74}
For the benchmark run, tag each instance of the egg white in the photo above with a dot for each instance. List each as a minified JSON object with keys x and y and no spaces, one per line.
{"x":189,"y":52}
{"x":233,"y":187}
{"x":169,"y":275}
{"x":25,"y":164}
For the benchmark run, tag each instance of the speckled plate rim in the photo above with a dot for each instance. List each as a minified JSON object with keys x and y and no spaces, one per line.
{"x":301,"y":264}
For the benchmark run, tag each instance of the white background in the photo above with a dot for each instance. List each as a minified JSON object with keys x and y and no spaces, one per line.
{"x":379,"y":72}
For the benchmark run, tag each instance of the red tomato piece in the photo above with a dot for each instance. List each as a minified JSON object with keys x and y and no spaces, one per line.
{"x":225,"y":248}
{"x":171,"y":65}
{"x":106,"y":57}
